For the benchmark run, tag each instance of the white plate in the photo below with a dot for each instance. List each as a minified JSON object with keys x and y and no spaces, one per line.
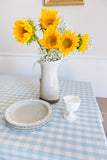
{"x":25,"y":128}
{"x":28,"y":114}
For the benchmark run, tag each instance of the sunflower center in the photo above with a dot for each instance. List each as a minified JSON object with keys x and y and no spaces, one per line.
{"x":52,"y":40}
{"x":67,"y":43}
{"x":21,"y":32}
{"x":24,"y":31}
{"x":50,"y":22}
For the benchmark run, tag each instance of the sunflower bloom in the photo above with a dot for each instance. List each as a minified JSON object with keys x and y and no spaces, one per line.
{"x":68,"y":42}
{"x":23,"y":31}
{"x":49,"y":17}
{"x":83,"y":43}
{"x":51,"y":38}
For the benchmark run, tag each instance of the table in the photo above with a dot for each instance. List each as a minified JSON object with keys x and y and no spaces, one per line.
{"x":83,"y":139}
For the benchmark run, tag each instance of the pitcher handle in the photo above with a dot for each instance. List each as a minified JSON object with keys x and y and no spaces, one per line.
{"x":35,"y":73}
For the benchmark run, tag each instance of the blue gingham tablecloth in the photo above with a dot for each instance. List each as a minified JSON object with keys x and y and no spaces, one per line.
{"x":83,"y":139}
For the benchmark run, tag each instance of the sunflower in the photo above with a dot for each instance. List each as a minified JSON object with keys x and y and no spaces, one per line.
{"x":68,"y":42}
{"x":24,"y":31}
{"x":49,"y":17}
{"x":83,"y":42}
{"x":51,"y":38}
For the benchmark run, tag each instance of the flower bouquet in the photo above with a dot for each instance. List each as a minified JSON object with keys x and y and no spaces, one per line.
{"x":57,"y":42}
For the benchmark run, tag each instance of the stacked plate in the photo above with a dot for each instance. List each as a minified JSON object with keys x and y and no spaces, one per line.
{"x":28,"y":114}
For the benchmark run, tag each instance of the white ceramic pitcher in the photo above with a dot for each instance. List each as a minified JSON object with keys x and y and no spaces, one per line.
{"x":49,"y":86}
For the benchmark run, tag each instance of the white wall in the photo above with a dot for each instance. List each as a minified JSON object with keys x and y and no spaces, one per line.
{"x":90,"y":18}
{"x":79,"y":69}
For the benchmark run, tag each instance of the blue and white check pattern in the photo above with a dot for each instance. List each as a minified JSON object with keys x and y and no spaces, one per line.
{"x":83,"y":139}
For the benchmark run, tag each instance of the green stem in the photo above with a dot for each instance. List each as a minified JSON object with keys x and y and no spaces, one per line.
{"x":38,"y":42}
{"x":47,"y":52}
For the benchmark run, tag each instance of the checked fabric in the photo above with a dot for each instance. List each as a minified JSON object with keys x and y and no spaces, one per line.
{"x":82,"y":139}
